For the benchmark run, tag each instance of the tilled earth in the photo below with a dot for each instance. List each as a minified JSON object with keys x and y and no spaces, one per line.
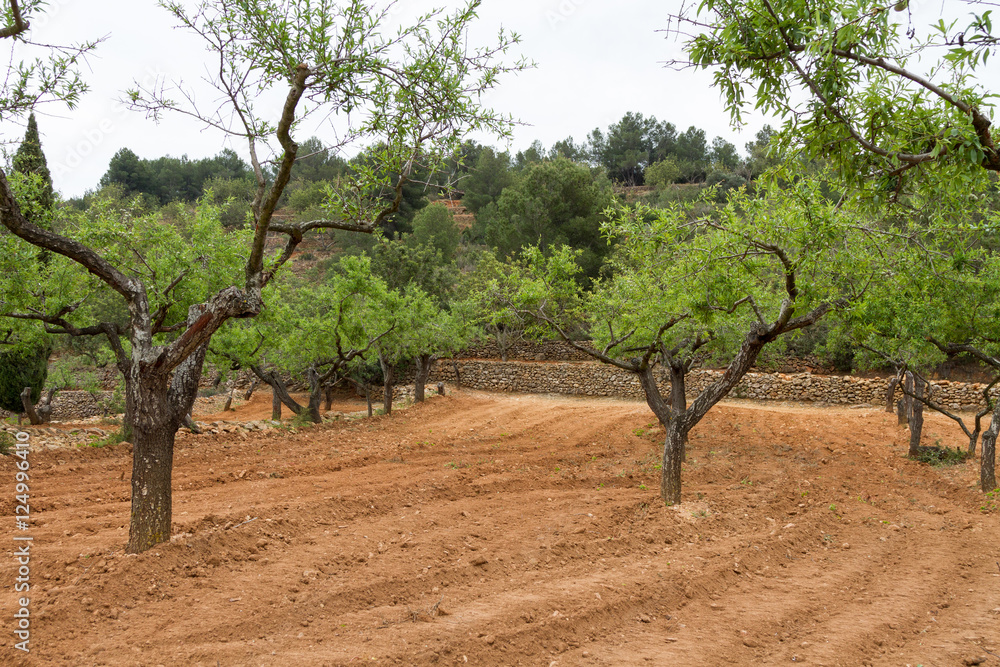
{"x":518,"y":530}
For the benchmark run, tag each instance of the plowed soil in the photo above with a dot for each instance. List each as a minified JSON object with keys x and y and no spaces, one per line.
{"x":518,"y":530}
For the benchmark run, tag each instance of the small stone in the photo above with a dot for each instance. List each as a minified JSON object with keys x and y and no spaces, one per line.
{"x":643,"y":618}
{"x":974,"y":660}
{"x":490,"y":639}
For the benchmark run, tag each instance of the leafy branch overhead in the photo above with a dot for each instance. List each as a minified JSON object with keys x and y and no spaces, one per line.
{"x":416,"y":93}
{"x":856,"y":83}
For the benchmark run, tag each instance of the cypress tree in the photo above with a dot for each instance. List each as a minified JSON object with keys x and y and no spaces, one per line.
{"x":29,"y":159}
{"x":28,"y":367}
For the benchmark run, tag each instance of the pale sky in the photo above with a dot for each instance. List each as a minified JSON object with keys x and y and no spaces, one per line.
{"x":595,"y":60}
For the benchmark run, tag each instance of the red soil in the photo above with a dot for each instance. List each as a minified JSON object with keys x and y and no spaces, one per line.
{"x":518,"y":530}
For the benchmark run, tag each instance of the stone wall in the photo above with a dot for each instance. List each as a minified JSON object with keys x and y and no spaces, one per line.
{"x":595,"y":379}
{"x":558,"y":350}
{"x":71,"y":405}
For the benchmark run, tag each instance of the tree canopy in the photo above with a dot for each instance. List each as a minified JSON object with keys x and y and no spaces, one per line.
{"x":896,"y":106}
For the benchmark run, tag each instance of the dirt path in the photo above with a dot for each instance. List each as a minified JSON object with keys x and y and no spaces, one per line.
{"x":514,"y":530}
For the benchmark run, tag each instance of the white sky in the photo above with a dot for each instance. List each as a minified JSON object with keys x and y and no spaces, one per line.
{"x":596,"y":60}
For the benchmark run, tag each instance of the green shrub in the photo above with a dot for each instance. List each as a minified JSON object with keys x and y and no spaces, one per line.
{"x":6,"y":443}
{"x":20,"y":369}
{"x":941,"y":456}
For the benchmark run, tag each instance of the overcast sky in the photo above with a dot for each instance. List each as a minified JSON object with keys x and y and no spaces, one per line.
{"x":595,"y":60}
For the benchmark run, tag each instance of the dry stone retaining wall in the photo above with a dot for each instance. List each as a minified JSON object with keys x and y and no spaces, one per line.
{"x":595,"y":379}
{"x":558,"y":350}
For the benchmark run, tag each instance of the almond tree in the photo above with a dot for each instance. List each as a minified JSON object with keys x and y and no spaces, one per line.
{"x":315,"y":329}
{"x":939,"y":304}
{"x":901,"y":110}
{"x":415,"y":92}
{"x":720,"y":287}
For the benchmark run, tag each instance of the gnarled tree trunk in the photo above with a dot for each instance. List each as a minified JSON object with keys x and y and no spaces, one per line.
{"x":424,"y":363}
{"x":29,"y":409}
{"x":153,"y":431}
{"x":916,"y":414}
{"x":987,"y":458}
{"x":279,"y":392}
{"x":673,"y":458}
{"x":389,"y":378}
{"x":275,"y":405}
{"x":890,"y":393}
{"x":315,"y":397}
{"x":155,"y":407}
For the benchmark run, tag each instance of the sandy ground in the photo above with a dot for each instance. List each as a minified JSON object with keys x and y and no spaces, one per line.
{"x":518,"y":530}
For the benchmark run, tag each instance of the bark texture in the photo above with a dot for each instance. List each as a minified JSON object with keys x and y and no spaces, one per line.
{"x":890,"y":394}
{"x":153,"y":429}
{"x":987,"y":458}
{"x":916,"y":415}
{"x":424,"y":363}
{"x":389,"y":379}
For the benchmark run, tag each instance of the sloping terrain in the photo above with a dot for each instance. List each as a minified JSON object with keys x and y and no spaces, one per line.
{"x":519,"y":530}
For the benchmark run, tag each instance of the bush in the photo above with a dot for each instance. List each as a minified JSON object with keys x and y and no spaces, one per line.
{"x":20,"y":369}
{"x":663,"y":173}
{"x":6,"y":443}
{"x":938,"y":456}
{"x":233,"y":196}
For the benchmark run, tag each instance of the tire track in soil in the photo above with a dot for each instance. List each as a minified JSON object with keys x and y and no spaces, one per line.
{"x":367,"y":530}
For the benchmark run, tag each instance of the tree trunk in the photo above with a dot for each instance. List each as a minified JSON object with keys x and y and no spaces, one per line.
{"x":329,"y":399}
{"x":191,"y":424}
{"x":458,"y":374}
{"x":653,"y":397}
{"x":315,"y":397}
{"x":678,"y":400}
{"x":253,"y":385}
{"x":29,"y":409}
{"x":275,"y":405}
{"x":229,"y":401}
{"x":278,"y":388}
{"x":153,"y":429}
{"x":389,"y":377}
{"x":908,"y":381}
{"x":673,"y":453}
{"x":890,"y":394}
{"x":187,"y":376}
{"x":155,"y":408}
{"x":916,"y":416}
{"x":424,"y":363}
{"x":368,"y":398}
{"x":901,"y":412}
{"x":987,"y":459}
